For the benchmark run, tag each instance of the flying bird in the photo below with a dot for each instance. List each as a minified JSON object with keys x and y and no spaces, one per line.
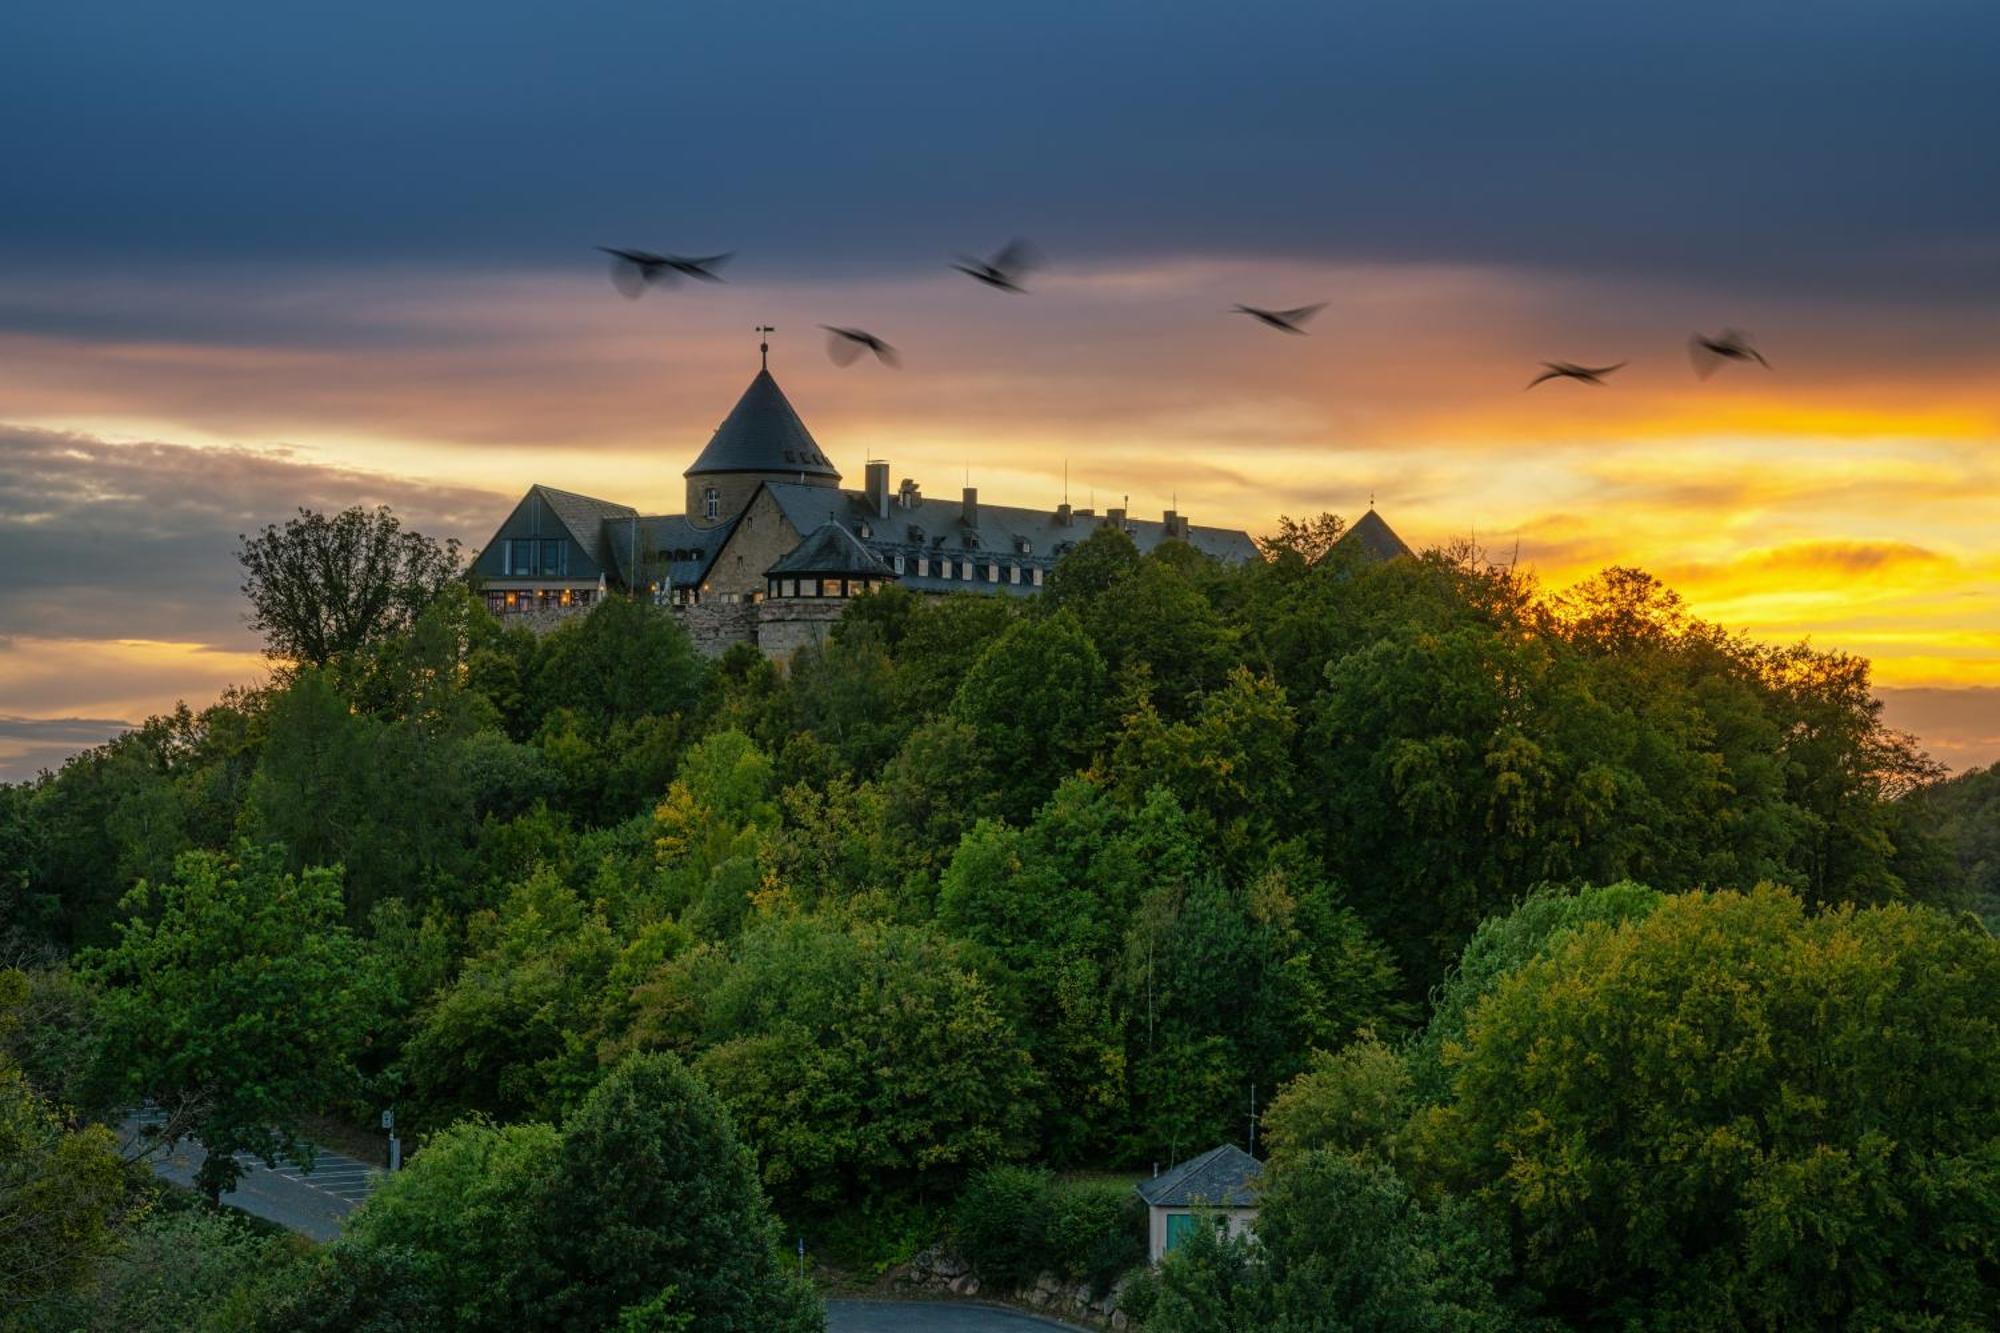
{"x":845,"y":346}
{"x":1007,"y":267}
{"x":1285,"y":321}
{"x":632,"y":271}
{"x":1708,"y":353}
{"x":1569,"y":370}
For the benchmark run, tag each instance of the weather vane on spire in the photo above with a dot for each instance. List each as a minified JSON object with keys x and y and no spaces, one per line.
{"x":764,"y":344}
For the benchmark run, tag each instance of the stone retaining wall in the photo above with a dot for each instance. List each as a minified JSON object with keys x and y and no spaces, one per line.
{"x":940,"y":1271}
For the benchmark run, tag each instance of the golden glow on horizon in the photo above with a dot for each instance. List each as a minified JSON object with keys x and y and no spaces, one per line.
{"x":1848,"y":497}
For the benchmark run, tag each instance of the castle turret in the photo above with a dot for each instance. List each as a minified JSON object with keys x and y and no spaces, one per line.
{"x":762,"y":439}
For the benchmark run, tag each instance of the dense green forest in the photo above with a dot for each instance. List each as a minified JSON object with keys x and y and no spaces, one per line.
{"x":1593,"y":967}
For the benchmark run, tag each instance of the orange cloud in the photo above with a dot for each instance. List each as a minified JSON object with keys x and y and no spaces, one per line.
{"x":1846,"y":496}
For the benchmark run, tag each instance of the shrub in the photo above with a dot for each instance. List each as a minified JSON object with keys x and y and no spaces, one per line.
{"x":997,"y":1223}
{"x":1014,"y":1224}
{"x":1095,"y":1230}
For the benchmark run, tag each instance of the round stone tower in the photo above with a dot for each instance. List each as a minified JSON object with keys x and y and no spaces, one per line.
{"x":762,"y":439}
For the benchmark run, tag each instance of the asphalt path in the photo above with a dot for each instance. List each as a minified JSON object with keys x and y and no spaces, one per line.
{"x":843,"y":1316}
{"x":310,"y":1202}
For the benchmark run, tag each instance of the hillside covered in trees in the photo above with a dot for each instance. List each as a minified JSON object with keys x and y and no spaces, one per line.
{"x":1598,"y":968}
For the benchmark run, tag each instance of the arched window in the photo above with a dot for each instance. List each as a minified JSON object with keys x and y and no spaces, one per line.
{"x":711,"y":502}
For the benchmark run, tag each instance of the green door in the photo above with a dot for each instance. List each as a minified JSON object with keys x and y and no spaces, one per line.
{"x":1179,"y":1227}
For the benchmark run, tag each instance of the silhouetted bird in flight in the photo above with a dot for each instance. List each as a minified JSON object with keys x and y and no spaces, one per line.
{"x":632,"y":271}
{"x":1569,"y":370}
{"x":1006,"y":269}
{"x":1708,"y":353}
{"x":845,"y":346}
{"x":1285,"y":321}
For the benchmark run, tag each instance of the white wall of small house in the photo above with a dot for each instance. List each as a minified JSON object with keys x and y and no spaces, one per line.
{"x":1237,"y":1220}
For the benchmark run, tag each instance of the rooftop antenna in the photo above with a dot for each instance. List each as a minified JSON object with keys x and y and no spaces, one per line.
{"x":1065,"y":481}
{"x":764,"y":345}
{"x":1371,"y":499}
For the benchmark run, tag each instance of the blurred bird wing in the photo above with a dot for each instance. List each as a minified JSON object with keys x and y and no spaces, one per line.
{"x":707,"y":261}
{"x":627,"y":276}
{"x":1746,"y":345}
{"x":842,"y":347}
{"x":1704,"y":357}
{"x":1302,"y":313}
{"x":1602,"y":370}
{"x":1553,"y":372}
{"x":1017,"y":256}
{"x":888,"y":355}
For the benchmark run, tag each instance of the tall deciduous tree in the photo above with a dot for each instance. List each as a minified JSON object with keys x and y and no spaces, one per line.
{"x":1731,"y":1114}
{"x":321,"y":587}
{"x":861,"y":1062}
{"x":654,"y":1192}
{"x":235,"y":1001}
{"x":59,"y":1186}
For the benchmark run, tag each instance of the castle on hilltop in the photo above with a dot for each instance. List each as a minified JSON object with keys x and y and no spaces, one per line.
{"x":770,"y":547}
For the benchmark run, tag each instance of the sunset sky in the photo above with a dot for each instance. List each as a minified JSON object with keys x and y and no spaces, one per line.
{"x":257,"y":256}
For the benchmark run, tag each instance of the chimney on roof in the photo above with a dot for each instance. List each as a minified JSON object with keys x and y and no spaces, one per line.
{"x":878,"y":489}
{"x":1062,"y":514}
{"x":1176,"y":526}
{"x":907,"y":495}
{"x":1115,"y":518}
{"x":969,"y":515}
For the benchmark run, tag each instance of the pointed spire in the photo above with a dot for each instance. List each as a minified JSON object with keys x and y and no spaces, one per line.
{"x":763,"y":433}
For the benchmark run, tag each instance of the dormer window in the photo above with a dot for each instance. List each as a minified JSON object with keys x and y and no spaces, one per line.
{"x":896,"y":563}
{"x":711,"y":502}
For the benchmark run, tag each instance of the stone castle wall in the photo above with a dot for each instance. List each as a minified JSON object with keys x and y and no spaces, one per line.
{"x":780,"y":627}
{"x":714,"y":626}
{"x":787,"y":624}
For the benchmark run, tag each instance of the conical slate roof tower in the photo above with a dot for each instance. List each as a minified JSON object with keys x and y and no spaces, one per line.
{"x":762,"y":439}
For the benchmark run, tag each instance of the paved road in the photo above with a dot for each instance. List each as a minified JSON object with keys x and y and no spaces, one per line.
{"x":929,"y":1317}
{"x":312,"y":1203}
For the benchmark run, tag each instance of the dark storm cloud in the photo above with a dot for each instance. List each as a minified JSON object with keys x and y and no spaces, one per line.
{"x":1787,"y":143}
{"x":142,"y":536}
{"x":28,"y":745}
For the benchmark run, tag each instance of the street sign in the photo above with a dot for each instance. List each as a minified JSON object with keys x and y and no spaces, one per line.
{"x":388,"y":1120}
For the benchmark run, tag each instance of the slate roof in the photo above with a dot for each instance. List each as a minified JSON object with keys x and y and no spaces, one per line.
{"x":583,"y":516}
{"x":763,"y":433}
{"x":1222,"y":1177}
{"x":1374,"y":538}
{"x":1006,"y":534}
{"x":831,"y":549}
{"x":659,"y":538}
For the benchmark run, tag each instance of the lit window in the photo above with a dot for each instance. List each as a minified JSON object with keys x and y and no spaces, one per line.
{"x":1037,"y":574}
{"x":711,"y":502}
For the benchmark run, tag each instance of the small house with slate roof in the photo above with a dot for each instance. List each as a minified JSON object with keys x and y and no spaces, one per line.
{"x":1219,"y":1187}
{"x":770,"y":546}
